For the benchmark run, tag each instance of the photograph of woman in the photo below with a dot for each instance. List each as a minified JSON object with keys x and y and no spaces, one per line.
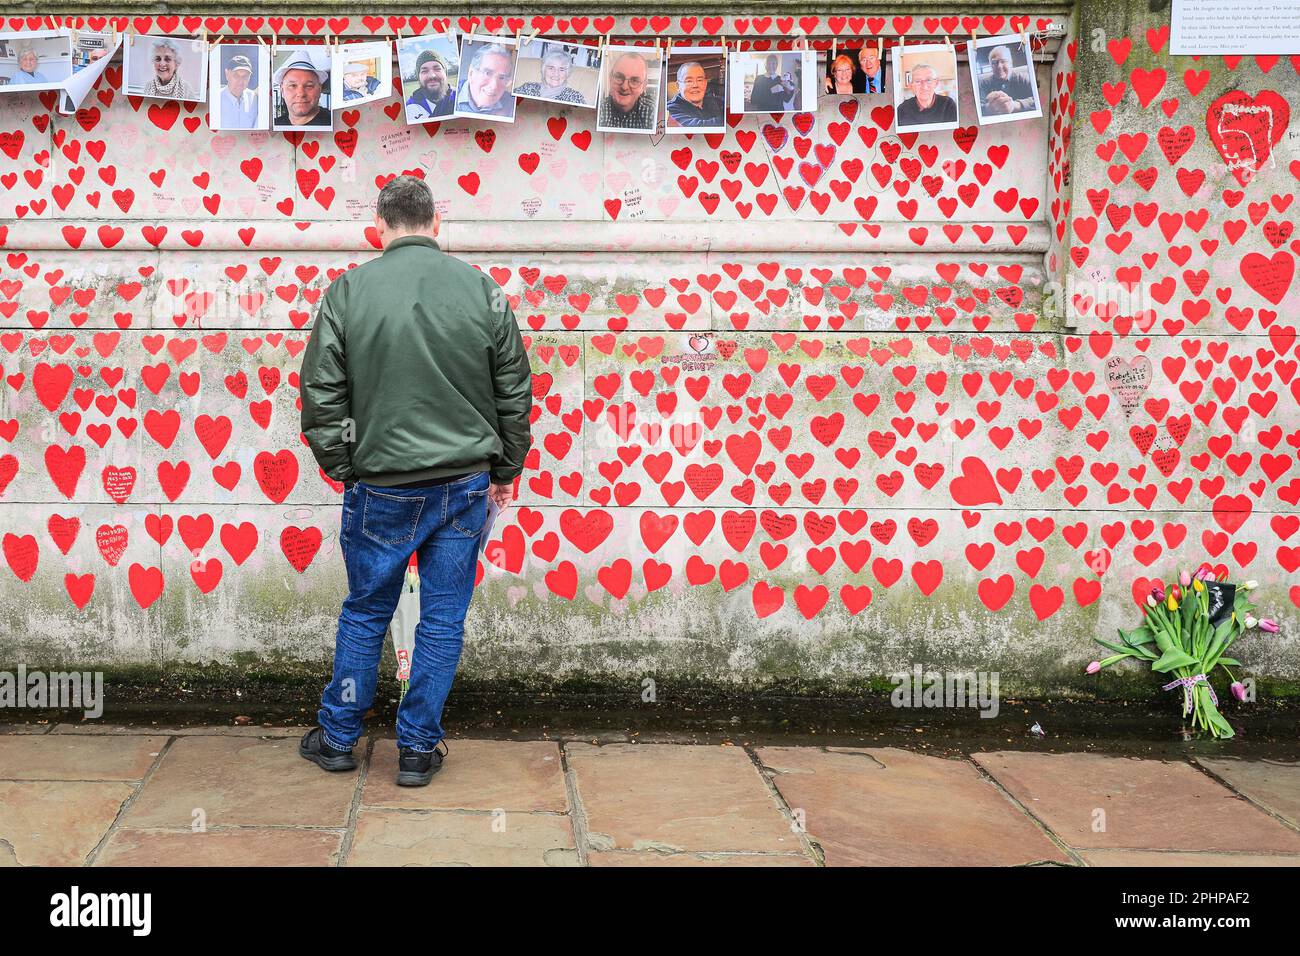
{"x":557,"y":72}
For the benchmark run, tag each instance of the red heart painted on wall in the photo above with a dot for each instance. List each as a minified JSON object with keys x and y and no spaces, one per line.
{"x":1245,"y":128}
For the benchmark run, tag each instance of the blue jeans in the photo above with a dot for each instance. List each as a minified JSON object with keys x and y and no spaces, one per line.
{"x":381,"y":528}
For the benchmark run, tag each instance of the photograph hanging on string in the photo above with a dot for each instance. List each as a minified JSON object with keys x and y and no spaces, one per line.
{"x":429,"y":67}
{"x":695,"y":90}
{"x":361,"y":73}
{"x":486,"y":78}
{"x":92,"y":52}
{"x":300,"y":97}
{"x":1003,"y":79}
{"x":557,"y":72}
{"x":925,"y":87}
{"x":857,"y":70}
{"x":166,"y":68}
{"x":34,"y":60}
{"x":630,"y":78}
{"x":773,"y":81}
{"x":239,"y":84}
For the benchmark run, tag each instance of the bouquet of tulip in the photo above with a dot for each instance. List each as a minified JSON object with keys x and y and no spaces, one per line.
{"x":1187,"y":633}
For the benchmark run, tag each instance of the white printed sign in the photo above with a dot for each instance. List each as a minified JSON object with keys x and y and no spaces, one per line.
{"x":1234,"y":26}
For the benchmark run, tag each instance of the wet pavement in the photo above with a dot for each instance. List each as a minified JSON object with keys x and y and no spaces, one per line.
{"x":104,"y":795}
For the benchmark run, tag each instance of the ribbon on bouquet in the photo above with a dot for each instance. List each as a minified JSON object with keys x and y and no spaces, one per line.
{"x":1187,"y":684}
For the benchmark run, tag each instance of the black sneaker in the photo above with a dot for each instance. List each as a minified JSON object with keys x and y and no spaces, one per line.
{"x":416,"y":769}
{"x":313,"y":747}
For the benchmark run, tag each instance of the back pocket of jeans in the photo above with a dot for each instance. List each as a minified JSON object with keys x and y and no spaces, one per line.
{"x":469,"y":511}
{"x":390,"y":519}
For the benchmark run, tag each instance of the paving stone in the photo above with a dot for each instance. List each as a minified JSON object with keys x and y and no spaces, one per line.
{"x":1148,"y":804}
{"x":60,"y":757}
{"x":675,"y":797}
{"x":651,"y":858}
{"x":890,"y":807}
{"x":56,"y":823}
{"x":24,"y":729}
{"x":1159,"y":858}
{"x":1270,"y":783}
{"x":239,"y":781}
{"x":477,"y":775}
{"x":252,"y":846}
{"x":115,"y":730}
{"x":450,"y":838}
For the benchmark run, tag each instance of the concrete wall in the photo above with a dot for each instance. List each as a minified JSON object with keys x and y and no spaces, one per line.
{"x":795,"y":422}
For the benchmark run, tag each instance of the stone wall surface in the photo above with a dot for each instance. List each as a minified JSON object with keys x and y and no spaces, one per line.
{"x":815,"y":401}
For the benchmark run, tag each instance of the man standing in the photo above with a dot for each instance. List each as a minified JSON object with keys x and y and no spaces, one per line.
{"x":627,"y":103}
{"x":238,"y":103}
{"x":432,"y":99}
{"x":770,"y":90}
{"x":924,"y":106}
{"x":488,"y":80}
{"x":694,"y":105}
{"x":1003,"y":91}
{"x":167,"y":82}
{"x":301,"y":82}
{"x":416,"y":394}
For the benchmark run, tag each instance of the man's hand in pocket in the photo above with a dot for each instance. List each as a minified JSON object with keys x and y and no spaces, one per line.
{"x":501,"y":494}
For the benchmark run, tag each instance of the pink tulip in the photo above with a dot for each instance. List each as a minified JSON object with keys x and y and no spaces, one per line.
{"x":1239,"y":690}
{"x":1158,"y":591}
{"x":1185,"y":578}
{"x":1268,"y":624}
{"x":1094,"y":667}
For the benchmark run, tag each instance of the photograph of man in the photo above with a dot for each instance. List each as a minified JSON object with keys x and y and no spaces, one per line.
{"x":696,"y":90}
{"x":363,"y":73}
{"x":871,"y":67}
{"x":629,"y":90}
{"x":34,"y":59}
{"x":557,"y":72}
{"x":773,"y":82}
{"x":238,"y":72}
{"x":300,"y":83}
{"x":486,"y":80}
{"x":429,"y":67}
{"x":166,"y":68}
{"x":929,"y":73}
{"x":1002,"y":73}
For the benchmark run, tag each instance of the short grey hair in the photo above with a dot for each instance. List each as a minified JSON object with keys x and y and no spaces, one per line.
{"x":166,"y":44}
{"x":406,"y":203}
{"x":681,"y":70}
{"x":558,"y":55}
{"x":1004,"y":50}
{"x":492,"y":49}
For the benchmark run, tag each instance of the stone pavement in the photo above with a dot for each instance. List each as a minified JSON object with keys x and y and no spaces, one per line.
{"x":107,"y":796}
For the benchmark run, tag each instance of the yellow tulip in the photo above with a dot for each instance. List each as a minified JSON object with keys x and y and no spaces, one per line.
{"x":1198,"y":586}
{"x":1172,"y":603}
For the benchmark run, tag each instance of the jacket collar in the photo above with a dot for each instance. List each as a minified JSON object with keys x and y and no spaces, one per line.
{"x":412,"y":241}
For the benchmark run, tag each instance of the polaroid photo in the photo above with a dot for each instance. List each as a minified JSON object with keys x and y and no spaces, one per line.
{"x":925,"y":88}
{"x":773,"y":81}
{"x":486,"y":78}
{"x":630,"y":77}
{"x":429,"y":67}
{"x":300,"y":85}
{"x":166,"y":68}
{"x":556,"y":72}
{"x":239,"y":84}
{"x":1003,"y":79}
{"x":695,"y":90}
{"x":361,"y":73}
{"x":32,"y":60}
